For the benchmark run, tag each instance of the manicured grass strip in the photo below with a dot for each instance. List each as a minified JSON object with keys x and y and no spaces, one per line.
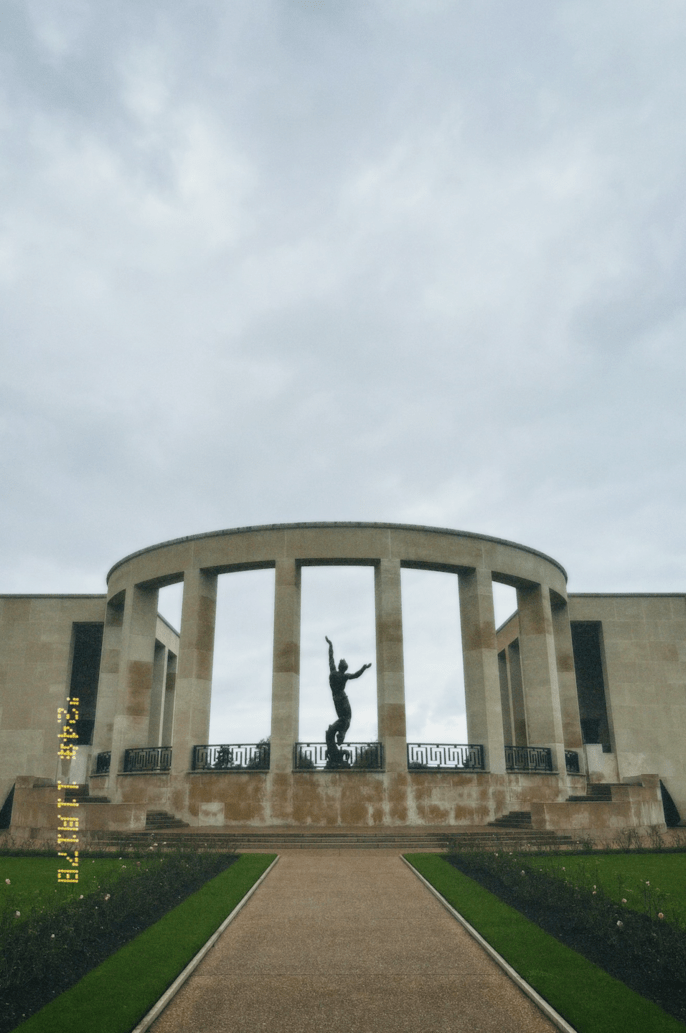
{"x":626,"y":875}
{"x":33,"y":880}
{"x":116,"y":995}
{"x":588,"y":998}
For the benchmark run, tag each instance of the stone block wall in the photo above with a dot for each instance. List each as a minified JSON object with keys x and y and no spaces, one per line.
{"x":35,"y":668}
{"x":644,"y":654}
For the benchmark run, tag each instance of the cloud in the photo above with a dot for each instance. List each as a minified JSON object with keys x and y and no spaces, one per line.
{"x":389,"y":261}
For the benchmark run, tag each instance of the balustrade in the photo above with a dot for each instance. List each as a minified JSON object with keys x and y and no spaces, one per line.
{"x":528,"y":758}
{"x":358,"y":756}
{"x":444,"y":757}
{"x":572,"y":762}
{"x":148,"y":758}
{"x":232,"y":757}
{"x":102,"y":763}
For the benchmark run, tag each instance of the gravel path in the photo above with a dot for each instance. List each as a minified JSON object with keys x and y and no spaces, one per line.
{"x":349,"y":941}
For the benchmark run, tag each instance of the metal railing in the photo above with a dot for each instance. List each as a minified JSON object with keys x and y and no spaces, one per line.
{"x":357,"y":756}
{"x":528,"y":758}
{"x":572,"y":762}
{"x":148,"y":758}
{"x":102,"y":763}
{"x":233,"y":757}
{"x":423,"y":756}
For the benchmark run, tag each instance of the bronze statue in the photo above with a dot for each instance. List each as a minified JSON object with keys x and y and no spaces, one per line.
{"x":335,"y":733}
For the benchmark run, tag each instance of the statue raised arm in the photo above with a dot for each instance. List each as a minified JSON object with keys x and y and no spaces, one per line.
{"x":335,"y":733}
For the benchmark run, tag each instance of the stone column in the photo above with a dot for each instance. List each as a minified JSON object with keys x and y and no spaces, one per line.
{"x":169,"y":693}
{"x":390,"y":669}
{"x":566,"y":676}
{"x":159,"y":672}
{"x":286,"y":665}
{"x":135,"y":673}
{"x":108,"y":682}
{"x":505,"y":699}
{"x":480,"y":659}
{"x":517,"y":694}
{"x":191,"y":726}
{"x":539,"y":672}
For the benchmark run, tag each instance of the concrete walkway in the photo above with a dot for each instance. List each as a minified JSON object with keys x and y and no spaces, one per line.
{"x":347,"y":941}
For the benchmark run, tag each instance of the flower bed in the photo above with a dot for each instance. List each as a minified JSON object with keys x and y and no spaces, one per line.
{"x":646,"y":952}
{"x":29,"y":883}
{"x":647,"y":882}
{"x":46,"y":952}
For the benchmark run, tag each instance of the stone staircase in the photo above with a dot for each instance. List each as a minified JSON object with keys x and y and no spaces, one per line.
{"x":596,"y":792}
{"x":158,"y":820}
{"x":81,"y":795}
{"x":513,"y":820}
{"x":154,"y":820}
{"x":308,"y":838}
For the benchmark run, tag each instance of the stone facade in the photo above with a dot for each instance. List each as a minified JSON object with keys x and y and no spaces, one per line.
{"x":570,"y":690}
{"x":627,"y":704}
{"x":36,"y":654}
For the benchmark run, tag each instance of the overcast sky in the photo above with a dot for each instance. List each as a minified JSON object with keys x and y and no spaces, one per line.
{"x":394,"y":260}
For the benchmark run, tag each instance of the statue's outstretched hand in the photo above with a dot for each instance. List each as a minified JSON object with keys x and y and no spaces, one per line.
{"x":327,"y":639}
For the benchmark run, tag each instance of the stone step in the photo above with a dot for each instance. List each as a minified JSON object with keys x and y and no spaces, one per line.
{"x":163,"y":826}
{"x":596,"y":792}
{"x":163,"y":820}
{"x":599,"y":791}
{"x":513,"y":820}
{"x":488,"y":833}
{"x":79,"y":790}
{"x":80,"y":794}
{"x":166,"y":823}
{"x":505,"y":824}
{"x":274,"y":840}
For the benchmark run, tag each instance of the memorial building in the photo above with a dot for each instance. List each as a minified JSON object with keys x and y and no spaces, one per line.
{"x":576,"y":706}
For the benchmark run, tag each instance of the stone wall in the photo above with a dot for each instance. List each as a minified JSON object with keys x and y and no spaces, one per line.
{"x":35,"y":814}
{"x":341,"y":798}
{"x":35,"y":668}
{"x":644,"y":652}
{"x":637,"y":806}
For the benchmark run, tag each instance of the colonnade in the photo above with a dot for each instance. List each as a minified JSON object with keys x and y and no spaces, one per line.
{"x":130,"y":691}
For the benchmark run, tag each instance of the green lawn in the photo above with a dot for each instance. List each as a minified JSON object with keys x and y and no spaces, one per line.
{"x":626,"y":876}
{"x":586,"y":996}
{"x":116,"y":995}
{"x":33,"y":880}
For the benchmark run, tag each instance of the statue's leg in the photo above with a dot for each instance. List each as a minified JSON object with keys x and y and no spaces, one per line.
{"x":334,"y":756}
{"x":344,"y":717}
{"x":343,"y":727}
